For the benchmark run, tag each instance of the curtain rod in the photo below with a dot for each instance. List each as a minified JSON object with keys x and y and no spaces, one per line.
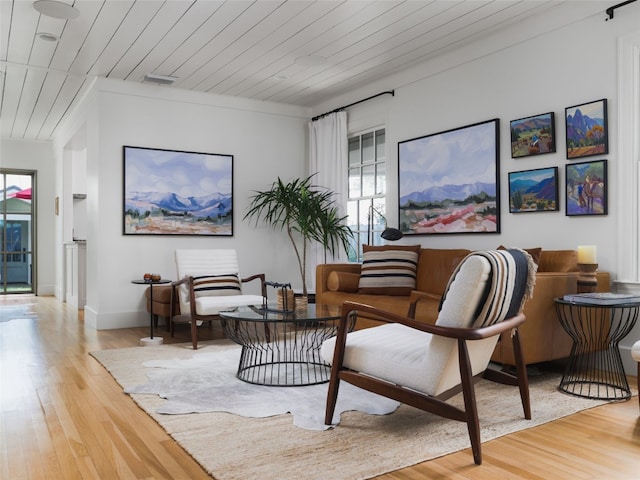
{"x":611,"y":9}
{"x":390,"y":92}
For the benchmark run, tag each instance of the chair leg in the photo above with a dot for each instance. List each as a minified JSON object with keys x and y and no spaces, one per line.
{"x":523,"y":377}
{"x":332,"y":397}
{"x":470,"y":405}
{"x":194,"y":334}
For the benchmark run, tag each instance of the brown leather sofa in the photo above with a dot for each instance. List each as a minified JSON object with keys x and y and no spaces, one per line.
{"x":542,"y":335}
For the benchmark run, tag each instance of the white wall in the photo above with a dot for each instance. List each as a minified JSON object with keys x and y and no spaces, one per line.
{"x":266,"y":140}
{"x":536,"y":72}
{"x":38,"y":156}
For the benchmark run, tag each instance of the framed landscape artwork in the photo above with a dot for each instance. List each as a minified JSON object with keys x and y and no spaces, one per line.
{"x":448,"y":181}
{"x":533,"y":190}
{"x":172,"y":192}
{"x":586,"y":188}
{"x":533,"y":135}
{"x":587,"y":132}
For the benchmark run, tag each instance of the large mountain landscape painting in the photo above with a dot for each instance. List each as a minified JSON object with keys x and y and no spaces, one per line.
{"x":587,"y":129}
{"x":169,"y":192}
{"x":448,"y":181}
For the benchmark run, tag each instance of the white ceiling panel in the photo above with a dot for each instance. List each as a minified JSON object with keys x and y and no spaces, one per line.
{"x":301,"y":52}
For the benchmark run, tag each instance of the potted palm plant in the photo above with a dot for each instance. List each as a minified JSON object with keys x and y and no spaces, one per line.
{"x":306,"y":212}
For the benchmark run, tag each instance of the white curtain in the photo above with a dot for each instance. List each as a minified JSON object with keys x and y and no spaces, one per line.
{"x":328,"y":160}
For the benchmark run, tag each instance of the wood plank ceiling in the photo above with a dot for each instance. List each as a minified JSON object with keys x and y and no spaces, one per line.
{"x":300,"y":52}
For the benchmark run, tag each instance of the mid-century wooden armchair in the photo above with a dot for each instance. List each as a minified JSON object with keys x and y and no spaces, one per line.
{"x":425,"y":365}
{"x":209,"y":283}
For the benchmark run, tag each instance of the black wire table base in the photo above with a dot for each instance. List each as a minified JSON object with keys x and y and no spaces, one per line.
{"x":280,"y":350}
{"x":595,"y":369}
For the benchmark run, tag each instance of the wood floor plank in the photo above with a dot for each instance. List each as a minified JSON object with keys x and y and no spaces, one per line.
{"x":62,"y":416}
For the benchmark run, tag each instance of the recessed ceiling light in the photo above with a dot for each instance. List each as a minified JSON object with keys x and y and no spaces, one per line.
{"x":48,"y":37}
{"x":55,"y":9}
{"x":159,"y":79}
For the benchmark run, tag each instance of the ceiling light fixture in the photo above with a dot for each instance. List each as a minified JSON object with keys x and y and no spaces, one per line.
{"x":47,"y":37}
{"x":280,"y":77}
{"x":159,"y":79}
{"x":56,"y":9}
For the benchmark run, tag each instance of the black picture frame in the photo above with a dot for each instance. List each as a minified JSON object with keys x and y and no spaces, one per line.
{"x":587,"y":130}
{"x":534,"y":190}
{"x":586,"y":188}
{"x":534,"y":135}
{"x":449,"y":182}
{"x":176,"y":192}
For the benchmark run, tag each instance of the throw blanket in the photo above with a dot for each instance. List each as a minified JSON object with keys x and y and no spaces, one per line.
{"x":511,"y":282}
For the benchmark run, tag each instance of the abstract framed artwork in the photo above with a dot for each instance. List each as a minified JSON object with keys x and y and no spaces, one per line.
{"x":173,"y":192}
{"x":533,"y":135}
{"x":586,"y":192}
{"x":533,"y":190}
{"x":448,"y":182}
{"x":587,"y":132}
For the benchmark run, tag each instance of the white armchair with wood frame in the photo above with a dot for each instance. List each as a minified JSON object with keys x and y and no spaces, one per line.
{"x":424,"y":365}
{"x":209,"y":283}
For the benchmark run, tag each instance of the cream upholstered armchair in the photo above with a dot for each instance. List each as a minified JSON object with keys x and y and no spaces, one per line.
{"x":209,"y":283}
{"x":424,"y":365}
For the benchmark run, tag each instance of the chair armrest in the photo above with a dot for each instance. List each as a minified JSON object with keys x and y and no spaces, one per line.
{"x":261,"y":277}
{"x":414,"y":298}
{"x":349,"y":308}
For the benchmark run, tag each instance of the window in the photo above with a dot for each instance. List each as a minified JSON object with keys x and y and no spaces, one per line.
{"x":367,"y":189}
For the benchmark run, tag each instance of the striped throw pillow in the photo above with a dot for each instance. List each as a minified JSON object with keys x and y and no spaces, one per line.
{"x":388,"y":272}
{"x":216,"y":285}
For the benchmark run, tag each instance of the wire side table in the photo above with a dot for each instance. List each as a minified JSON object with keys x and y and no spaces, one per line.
{"x":595,"y":368}
{"x":282,"y":349}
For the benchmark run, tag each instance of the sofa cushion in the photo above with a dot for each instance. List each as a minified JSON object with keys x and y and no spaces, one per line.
{"x":389,"y":270}
{"x":435,"y":267}
{"x":343,"y":282}
{"x":562,"y":261}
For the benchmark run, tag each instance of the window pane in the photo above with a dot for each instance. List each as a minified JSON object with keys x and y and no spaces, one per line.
{"x":368,"y":180}
{"x":380,"y":145}
{"x":355,"y":189}
{"x":364,"y":218}
{"x":381,"y":178}
{"x":354,"y":151}
{"x":352,"y":214}
{"x":368,"y":153}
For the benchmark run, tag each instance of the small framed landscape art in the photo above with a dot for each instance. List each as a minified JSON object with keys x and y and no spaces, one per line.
{"x":533,"y":135}
{"x":587,"y":132}
{"x":172,"y":192}
{"x":533,"y":190}
{"x":448,"y":181}
{"x":587,"y":186}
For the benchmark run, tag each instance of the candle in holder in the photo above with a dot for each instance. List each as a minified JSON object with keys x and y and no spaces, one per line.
{"x":587,"y":267}
{"x":587,"y":254}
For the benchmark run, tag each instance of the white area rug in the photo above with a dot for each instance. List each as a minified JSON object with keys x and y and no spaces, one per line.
{"x":207,"y":382}
{"x":232,"y":447}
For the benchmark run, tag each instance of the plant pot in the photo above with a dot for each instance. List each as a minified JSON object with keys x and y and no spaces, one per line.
{"x":302,"y":302}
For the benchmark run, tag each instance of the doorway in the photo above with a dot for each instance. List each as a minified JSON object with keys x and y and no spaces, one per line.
{"x":17,"y":232}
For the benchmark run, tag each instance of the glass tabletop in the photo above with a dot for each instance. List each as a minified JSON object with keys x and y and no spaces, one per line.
{"x":260,"y":314}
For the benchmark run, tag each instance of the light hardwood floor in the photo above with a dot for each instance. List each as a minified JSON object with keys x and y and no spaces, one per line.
{"x":62,"y":416}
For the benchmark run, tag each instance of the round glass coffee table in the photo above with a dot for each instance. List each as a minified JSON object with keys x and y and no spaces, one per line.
{"x":282,"y":349}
